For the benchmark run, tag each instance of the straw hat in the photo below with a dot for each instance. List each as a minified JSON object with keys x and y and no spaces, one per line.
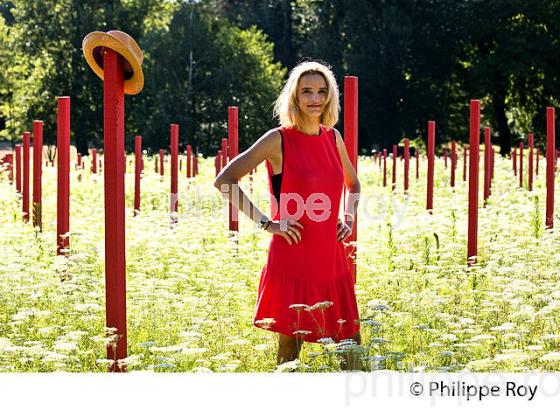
{"x":93,"y":46}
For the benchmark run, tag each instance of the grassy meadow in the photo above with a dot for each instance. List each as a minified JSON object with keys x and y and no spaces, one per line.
{"x":191,"y":289}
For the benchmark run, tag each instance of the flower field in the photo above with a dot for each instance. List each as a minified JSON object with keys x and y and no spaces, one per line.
{"x":191,"y":289}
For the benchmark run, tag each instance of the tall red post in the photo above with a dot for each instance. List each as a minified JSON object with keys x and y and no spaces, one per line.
{"x":37,"y":173}
{"x":63,"y":175}
{"x":189,"y":161}
{"x":453,"y":162}
{"x":174,"y":198}
{"x":233,"y":132}
{"x":472,"y":242}
{"x":406,"y":163}
{"x":394,"y":179}
{"x":18,"y":168}
{"x":115,"y":256}
{"x":550,"y":162}
{"x":161,"y":162}
{"x":220,"y":160}
{"x":530,"y":170}
{"x":520,"y":165}
{"x":384,"y":167}
{"x":487,"y":134}
{"x":137,"y":171}
{"x":431,"y":154}
{"x":351,"y":143}
{"x":25,"y":182}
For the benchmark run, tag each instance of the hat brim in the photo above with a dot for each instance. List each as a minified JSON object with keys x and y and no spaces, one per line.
{"x":93,"y":46}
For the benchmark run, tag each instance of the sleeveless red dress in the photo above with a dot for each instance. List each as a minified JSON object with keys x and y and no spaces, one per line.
{"x":308,"y":287}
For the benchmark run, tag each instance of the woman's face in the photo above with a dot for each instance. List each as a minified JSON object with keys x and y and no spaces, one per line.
{"x":312,"y":95}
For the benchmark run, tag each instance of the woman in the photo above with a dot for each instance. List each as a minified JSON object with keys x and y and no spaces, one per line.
{"x":306,"y":290}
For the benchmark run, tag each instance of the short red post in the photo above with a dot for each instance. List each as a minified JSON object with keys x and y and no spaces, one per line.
{"x":217,"y":162}
{"x":161,"y":162}
{"x":431,"y":154}
{"x":18,"y":168}
{"x":384,"y":167}
{"x":487,"y":135}
{"x":174,"y":197}
{"x":224,"y":153}
{"x":189,"y":161}
{"x":514,"y":158}
{"x":417,"y":162}
{"x":550,"y":161}
{"x":464,"y":162}
{"x":453,"y":162}
{"x":520,"y":165}
{"x":37,"y":173}
{"x":394,"y":179}
{"x":137,"y":171}
{"x":63,"y":175}
{"x":351,"y":143}
{"x":180,"y":164}
{"x":94,"y":161}
{"x":233,"y":130}
{"x":530,"y":170}
{"x":79,"y":161}
{"x":25,"y":182}
{"x":472,"y":243}
{"x":406,"y":163}
{"x":195,"y":164}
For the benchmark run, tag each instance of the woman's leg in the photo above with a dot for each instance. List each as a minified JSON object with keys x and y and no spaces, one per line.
{"x":288,"y":348}
{"x":353,"y":360}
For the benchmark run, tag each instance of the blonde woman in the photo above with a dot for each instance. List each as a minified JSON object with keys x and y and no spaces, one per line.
{"x":306,"y":290}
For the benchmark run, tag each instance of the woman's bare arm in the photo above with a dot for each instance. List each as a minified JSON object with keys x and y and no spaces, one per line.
{"x":227,"y":180}
{"x":350,"y":180}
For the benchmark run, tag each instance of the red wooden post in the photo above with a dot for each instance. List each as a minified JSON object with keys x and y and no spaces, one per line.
{"x":394,"y":179}
{"x":472,"y":244}
{"x":550,"y":161}
{"x":115,"y":256}
{"x":137,"y":171}
{"x":18,"y":168}
{"x":453,"y":162}
{"x":520,"y":165}
{"x":37,"y":172}
{"x":417,"y":162}
{"x":63,"y":175}
{"x":351,"y":143}
{"x":487,"y":134}
{"x":161,"y":162}
{"x":94,"y":160}
{"x":431,"y":153}
{"x":464,"y":162}
{"x":224,"y":152}
{"x":406,"y":163}
{"x":384,"y":167}
{"x":79,"y":164}
{"x":220,"y":160}
{"x":233,"y":129}
{"x":530,"y":170}
{"x":189,"y":161}
{"x":174,"y":199}
{"x":25,"y":198}
{"x":195,"y":164}
{"x":514,"y":157}
{"x":217,"y":162}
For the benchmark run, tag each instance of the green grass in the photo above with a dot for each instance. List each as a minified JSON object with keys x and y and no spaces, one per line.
{"x":191,"y":290}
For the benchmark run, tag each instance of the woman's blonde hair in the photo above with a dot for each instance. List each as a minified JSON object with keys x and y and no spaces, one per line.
{"x":286,"y":108}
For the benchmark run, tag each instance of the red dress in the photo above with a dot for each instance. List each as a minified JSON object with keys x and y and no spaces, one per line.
{"x":297,"y":278}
